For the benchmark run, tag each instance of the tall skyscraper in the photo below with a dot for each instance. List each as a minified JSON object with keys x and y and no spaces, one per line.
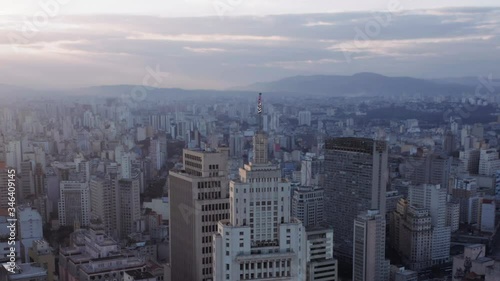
{"x":355,"y":181}
{"x":130,"y":204}
{"x":260,"y":240}
{"x":104,"y":204}
{"x":198,"y":200}
{"x":369,"y":263}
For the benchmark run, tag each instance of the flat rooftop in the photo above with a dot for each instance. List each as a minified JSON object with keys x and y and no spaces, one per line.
{"x":139,"y":275}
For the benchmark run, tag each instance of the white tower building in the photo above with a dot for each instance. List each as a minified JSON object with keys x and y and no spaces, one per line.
{"x":260,"y":240}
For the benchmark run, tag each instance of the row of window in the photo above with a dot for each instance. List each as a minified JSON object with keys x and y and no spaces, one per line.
{"x":215,"y":207}
{"x":192,"y":157}
{"x":209,"y":184}
{"x":214,"y":217}
{"x":208,"y":228}
{"x":209,"y":195}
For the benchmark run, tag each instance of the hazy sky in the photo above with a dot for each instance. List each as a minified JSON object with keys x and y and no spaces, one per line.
{"x":226,"y":43}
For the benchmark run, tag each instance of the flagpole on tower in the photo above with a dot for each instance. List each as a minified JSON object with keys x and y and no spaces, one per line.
{"x":259,"y":111}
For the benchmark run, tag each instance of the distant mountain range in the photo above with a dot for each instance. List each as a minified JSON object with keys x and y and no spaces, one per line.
{"x":361,"y":84}
{"x":364,"y":84}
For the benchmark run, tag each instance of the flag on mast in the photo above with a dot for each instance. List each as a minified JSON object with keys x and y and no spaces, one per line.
{"x":259,"y":105}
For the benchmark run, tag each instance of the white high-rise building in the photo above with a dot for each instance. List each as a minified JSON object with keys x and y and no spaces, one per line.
{"x":433,"y":198}
{"x":489,"y":162}
{"x":74,"y":203}
{"x":369,"y":263}
{"x":260,"y":240}
{"x":305,"y":118}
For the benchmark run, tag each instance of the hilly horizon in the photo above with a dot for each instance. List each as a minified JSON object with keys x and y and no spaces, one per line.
{"x":359,"y":84}
{"x":363,"y":84}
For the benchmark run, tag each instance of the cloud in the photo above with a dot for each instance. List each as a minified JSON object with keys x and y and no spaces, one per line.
{"x":207,"y":38}
{"x":204,"y":50}
{"x":319,"y":23}
{"x":210,"y":52}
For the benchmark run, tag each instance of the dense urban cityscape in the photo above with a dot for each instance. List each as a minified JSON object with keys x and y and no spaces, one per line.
{"x":312,"y":175}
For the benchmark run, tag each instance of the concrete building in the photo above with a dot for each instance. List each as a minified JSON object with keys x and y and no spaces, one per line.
{"x":236,"y":145}
{"x":391,"y":201}
{"x":321,"y":265}
{"x":30,"y":229}
{"x":311,"y":169}
{"x":489,"y":162}
{"x":305,"y":118}
{"x":369,"y":263}
{"x":74,"y":203}
{"x":26,"y":180}
{"x":433,"y":198}
{"x":25,"y":272}
{"x":465,"y":193}
{"x":93,"y":256}
{"x":355,"y":181}
{"x":130,"y":205}
{"x":473,"y":262}
{"x":41,"y":253}
{"x":470,"y":160}
{"x":487,"y":215}
{"x":104,"y":203}
{"x":199,"y":198}
{"x":411,"y":235}
{"x":429,"y":169}
{"x":308,"y":205}
{"x":402,"y":274}
{"x":138,"y":275}
{"x":260,"y":240}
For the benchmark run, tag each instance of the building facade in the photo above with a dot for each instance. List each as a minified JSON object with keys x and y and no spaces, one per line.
{"x":355,"y":181}
{"x":199,"y":198}
{"x":369,"y":263}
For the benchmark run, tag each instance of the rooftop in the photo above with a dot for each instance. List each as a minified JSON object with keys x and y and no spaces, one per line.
{"x":28,"y":270}
{"x":139,"y":275}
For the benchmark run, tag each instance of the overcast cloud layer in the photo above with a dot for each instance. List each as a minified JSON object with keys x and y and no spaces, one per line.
{"x":219,"y":52}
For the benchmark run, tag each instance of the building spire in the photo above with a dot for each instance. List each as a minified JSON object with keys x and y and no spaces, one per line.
{"x":260,"y":138}
{"x":259,"y":112}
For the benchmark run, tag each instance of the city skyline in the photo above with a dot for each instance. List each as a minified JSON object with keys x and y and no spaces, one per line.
{"x":238,"y":140}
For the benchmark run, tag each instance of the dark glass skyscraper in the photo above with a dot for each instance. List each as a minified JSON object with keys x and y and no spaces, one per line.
{"x":355,"y":181}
